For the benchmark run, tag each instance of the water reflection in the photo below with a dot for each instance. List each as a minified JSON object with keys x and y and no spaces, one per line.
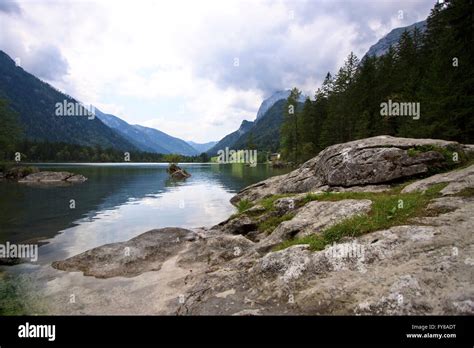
{"x":118,"y":202}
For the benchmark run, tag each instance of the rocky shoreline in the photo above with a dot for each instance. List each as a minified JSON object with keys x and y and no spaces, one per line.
{"x":375,"y":226}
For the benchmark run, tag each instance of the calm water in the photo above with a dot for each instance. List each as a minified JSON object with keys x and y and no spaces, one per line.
{"x":118,"y":202}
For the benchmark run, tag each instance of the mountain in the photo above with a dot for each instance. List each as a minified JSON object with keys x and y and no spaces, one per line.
{"x":269,"y":102}
{"x":147,"y":139}
{"x":230,"y":139}
{"x":169,"y":143}
{"x":200,"y":148}
{"x":131,"y":133}
{"x":382,"y":46}
{"x":35,"y":102}
{"x":264,"y":134}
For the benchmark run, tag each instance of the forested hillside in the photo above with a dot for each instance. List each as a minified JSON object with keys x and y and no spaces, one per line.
{"x":433,"y":69}
{"x":34,"y":103}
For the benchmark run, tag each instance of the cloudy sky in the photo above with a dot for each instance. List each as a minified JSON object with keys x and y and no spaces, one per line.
{"x":192,"y":68}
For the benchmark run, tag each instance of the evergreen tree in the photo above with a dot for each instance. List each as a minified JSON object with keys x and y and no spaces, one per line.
{"x":290,"y":139}
{"x":10,"y":131}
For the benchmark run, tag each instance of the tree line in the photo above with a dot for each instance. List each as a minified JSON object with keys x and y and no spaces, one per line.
{"x":44,"y":151}
{"x":432,"y":68}
{"x":14,"y":143}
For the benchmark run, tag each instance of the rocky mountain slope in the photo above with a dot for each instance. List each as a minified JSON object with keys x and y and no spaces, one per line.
{"x":272,"y":100}
{"x":392,"y":38}
{"x":376,"y":226}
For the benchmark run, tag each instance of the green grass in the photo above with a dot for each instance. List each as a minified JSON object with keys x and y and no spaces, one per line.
{"x":243,"y":205}
{"x":268,"y":202}
{"x":388,"y":209}
{"x":447,"y":152}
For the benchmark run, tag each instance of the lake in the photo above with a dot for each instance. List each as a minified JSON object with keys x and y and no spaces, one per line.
{"x":118,"y":202}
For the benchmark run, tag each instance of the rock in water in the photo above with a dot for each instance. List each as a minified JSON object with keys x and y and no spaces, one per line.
{"x":53,"y":177}
{"x":17,"y":173}
{"x":177,"y":172}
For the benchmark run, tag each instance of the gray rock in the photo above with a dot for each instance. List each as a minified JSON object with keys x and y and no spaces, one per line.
{"x":457,"y":181}
{"x":372,"y":161}
{"x":239,"y":225}
{"x":144,"y":253}
{"x":76,"y":178}
{"x":177,"y":172}
{"x":288,"y":204}
{"x":255,"y":210}
{"x":17,"y":173}
{"x":314,"y":217}
{"x":287,"y":264}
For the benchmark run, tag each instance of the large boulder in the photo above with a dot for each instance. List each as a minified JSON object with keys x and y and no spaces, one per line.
{"x":372,"y":161}
{"x":146,"y":252}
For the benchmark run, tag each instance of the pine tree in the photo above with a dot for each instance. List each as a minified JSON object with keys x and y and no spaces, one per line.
{"x":10,"y":131}
{"x":290,"y":138}
{"x":308,"y":129}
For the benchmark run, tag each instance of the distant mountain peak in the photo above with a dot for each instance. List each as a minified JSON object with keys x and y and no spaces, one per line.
{"x":202,"y":147}
{"x":391,"y":39}
{"x":270,"y":101}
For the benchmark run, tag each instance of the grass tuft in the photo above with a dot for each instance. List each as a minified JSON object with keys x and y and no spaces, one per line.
{"x":243,"y":205}
{"x":271,"y":223}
